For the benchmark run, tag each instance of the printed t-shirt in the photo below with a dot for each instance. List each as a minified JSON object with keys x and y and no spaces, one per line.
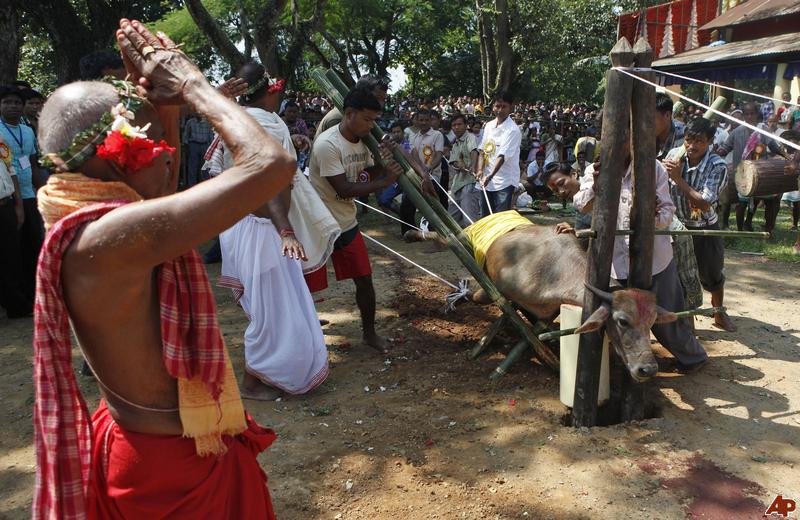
{"x":334,"y":155}
{"x":503,"y":139}
{"x":426,"y":145}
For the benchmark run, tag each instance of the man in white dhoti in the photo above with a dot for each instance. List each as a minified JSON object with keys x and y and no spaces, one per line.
{"x":284,"y":347}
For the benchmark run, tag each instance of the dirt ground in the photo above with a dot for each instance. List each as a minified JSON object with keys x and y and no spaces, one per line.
{"x":424,"y":434}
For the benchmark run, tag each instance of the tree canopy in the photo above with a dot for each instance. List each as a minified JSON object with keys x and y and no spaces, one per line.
{"x":541,"y":49}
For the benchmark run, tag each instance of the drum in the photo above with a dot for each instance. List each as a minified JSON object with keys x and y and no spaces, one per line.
{"x":761,"y":178}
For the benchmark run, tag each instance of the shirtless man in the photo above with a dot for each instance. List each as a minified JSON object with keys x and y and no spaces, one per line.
{"x":117,"y":259}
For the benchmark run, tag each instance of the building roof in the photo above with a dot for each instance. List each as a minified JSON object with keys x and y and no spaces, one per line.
{"x":743,"y":52}
{"x":752,"y":11}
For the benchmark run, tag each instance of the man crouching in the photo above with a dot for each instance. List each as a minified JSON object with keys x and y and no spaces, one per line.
{"x":170,"y":437}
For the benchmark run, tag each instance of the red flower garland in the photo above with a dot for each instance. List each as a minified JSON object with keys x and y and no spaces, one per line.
{"x":131,"y":154}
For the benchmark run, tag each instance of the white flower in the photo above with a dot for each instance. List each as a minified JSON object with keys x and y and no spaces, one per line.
{"x":121,"y":111}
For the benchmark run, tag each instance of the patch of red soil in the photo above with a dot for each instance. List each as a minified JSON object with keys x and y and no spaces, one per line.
{"x":715,"y":494}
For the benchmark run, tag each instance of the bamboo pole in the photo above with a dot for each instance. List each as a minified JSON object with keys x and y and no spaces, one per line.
{"x":547,"y":336}
{"x":588,"y":233}
{"x":641,"y":244}
{"x":616,"y":118}
{"x":455,"y":242}
{"x":487,"y":338}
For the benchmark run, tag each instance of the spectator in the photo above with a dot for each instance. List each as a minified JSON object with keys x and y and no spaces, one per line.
{"x":99,"y":64}
{"x":14,"y":297}
{"x":291,"y":116}
{"x":498,"y":164}
{"x":22,"y":142}
{"x":197,"y":136}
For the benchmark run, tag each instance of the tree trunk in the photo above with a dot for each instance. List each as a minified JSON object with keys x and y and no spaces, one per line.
{"x":10,"y":43}
{"x":266,"y":36}
{"x":505,"y":58}
{"x":212,"y":30}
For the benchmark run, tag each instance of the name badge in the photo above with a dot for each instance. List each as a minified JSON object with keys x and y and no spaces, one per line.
{"x":24,"y":162}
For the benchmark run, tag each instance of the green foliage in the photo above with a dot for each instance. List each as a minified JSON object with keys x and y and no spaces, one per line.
{"x":37,"y":62}
{"x":181,"y":28}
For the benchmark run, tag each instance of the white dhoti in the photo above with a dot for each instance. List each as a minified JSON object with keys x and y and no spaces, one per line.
{"x":284,"y":345}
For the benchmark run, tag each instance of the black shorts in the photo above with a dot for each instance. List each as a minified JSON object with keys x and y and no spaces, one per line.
{"x":710,"y":254}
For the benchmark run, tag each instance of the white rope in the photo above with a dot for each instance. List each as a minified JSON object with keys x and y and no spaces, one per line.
{"x":486,"y":196}
{"x":715,"y":111}
{"x":454,"y":286}
{"x":646,"y":69}
{"x":459,"y":291}
{"x":388,"y":215}
{"x":452,"y":200}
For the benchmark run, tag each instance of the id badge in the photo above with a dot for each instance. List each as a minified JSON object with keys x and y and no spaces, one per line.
{"x":24,"y":162}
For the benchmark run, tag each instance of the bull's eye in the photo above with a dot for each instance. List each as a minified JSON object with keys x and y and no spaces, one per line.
{"x":623,"y":322}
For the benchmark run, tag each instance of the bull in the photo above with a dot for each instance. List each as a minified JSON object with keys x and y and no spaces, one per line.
{"x":539,"y":269}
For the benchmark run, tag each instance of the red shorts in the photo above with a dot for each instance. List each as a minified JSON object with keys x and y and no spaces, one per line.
{"x":349,"y":261}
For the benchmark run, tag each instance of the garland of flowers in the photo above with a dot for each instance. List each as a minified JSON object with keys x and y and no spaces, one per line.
{"x":275,"y":85}
{"x":113,"y":138}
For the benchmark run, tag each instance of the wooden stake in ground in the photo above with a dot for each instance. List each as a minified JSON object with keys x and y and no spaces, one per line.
{"x":616,"y":120}
{"x":643,"y":103}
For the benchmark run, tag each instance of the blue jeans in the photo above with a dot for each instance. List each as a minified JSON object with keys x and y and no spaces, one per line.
{"x":500,"y":201}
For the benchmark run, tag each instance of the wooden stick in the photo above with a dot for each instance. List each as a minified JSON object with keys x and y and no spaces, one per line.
{"x":613,"y":157}
{"x":643,"y":111}
{"x":547,"y":336}
{"x":588,"y":233}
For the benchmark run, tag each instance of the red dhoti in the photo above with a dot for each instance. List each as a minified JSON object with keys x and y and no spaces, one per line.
{"x":137,"y":475}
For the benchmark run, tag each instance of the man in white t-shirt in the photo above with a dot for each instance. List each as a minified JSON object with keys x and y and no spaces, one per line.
{"x":497,"y":167}
{"x":342,"y":169}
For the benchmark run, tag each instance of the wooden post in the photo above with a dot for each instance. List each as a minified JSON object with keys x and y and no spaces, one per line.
{"x":616,"y":123}
{"x":643,"y":103}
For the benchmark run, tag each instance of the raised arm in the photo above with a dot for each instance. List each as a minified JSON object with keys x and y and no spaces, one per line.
{"x":146,"y":234}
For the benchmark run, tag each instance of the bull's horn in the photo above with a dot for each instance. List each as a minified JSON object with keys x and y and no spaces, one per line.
{"x":603,"y":295}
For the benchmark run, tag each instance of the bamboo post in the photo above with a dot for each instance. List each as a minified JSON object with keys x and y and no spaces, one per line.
{"x":616,"y":120}
{"x":454,"y":242}
{"x":588,"y":233}
{"x":487,"y":338}
{"x":643,"y":149}
{"x":514,"y":354}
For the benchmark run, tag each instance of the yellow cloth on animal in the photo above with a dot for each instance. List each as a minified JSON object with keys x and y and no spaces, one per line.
{"x":484,"y":232}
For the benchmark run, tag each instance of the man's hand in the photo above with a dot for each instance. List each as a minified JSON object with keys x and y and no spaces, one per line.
{"x":19,"y":209}
{"x":486,"y":180}
{"x":674,"y":169}
{"x":159,"y":67}
{"x":427,"y":186}
{"x":292,"y":248}
{"x":393,"y":170}
{"x":596,"y":168}
{"x":563,"y":227}
{"x":233,"y":88}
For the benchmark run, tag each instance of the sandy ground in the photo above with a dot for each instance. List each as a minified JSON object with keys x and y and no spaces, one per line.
{"x":424,"y":433}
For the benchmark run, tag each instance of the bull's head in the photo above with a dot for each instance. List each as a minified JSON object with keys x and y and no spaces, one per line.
{"x":628,"y":315}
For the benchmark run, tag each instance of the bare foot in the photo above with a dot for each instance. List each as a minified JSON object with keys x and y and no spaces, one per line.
{"x":376,"y":342}
{"x":258,"y":391}
{"x":723,"y":321}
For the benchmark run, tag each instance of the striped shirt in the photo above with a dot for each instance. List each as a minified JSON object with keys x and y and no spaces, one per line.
{"x":706,"y":178}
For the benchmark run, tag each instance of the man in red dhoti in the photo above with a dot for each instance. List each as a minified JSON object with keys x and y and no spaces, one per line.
{"x":170,"y":438}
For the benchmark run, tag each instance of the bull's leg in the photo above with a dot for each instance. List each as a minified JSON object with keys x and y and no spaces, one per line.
{"x":413,"y":235}
{"x":488,"y":337}
{"x":480,"y":296}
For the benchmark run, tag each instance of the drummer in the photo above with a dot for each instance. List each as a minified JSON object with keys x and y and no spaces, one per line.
{"x":695,"y":184}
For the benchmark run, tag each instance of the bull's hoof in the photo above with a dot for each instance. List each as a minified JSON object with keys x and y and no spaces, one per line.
{"x":480,"y":296}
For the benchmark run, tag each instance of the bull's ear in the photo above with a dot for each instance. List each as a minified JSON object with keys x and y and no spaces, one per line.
{"x":665,"y":316}
{"x":595,"y":321}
